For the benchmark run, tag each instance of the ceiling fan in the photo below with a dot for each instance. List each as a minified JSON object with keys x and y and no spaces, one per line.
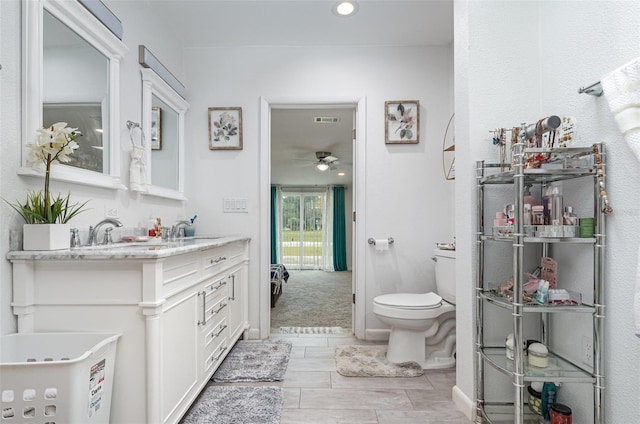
{"x":325,"y":161}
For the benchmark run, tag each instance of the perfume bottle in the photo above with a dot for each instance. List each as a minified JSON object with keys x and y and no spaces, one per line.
{"x":569,"y":218}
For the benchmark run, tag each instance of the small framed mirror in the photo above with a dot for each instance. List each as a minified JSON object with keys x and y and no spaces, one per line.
{"x":163,"y":110}
{"x":71,"y":66}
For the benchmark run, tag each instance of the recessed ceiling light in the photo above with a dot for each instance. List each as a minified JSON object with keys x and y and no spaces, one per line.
{"x":345,"y":8}
{"x":341,"y":174}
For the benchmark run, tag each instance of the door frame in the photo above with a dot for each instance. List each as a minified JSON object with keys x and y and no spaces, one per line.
{"x":359,"y":238}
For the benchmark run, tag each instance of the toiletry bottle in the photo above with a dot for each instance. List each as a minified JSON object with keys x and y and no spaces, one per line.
{"x":526,"y":216}
{"x":557,"y":209}
{"x":537,"y":215}
{"x":542,"y":293}
{"x":570,"y":218}
{"x":151,"y":230}
{"x":546,"y":205}
{"x":528,"y":197}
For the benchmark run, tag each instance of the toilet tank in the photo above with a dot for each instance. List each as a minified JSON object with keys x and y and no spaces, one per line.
{"x":446,"y":274}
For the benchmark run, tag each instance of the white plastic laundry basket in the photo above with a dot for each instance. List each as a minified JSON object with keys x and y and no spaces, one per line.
{"x":56,"y":378}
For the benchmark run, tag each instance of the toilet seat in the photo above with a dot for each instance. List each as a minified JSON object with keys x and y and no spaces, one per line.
{"x":412,"y":301}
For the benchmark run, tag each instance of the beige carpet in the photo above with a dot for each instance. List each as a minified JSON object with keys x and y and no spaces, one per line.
{"x":371,"y":361}
{"x":314,"y":299}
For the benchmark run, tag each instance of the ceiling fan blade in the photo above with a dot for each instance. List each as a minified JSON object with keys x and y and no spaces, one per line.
{"x":330,"y":159}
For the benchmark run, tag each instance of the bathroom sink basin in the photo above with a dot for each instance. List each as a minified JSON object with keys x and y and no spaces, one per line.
{"x":152,"y":244}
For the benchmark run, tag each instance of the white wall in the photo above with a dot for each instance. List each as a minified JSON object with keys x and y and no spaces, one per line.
{"x":139,"y":28}
{"x":520,"y":61}
{"x":406,"y":195}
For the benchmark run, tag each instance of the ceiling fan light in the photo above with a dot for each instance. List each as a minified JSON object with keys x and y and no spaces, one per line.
{"x":322,"y":166}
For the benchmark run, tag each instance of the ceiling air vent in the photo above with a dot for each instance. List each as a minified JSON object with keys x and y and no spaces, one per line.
{"x":326,"y":120}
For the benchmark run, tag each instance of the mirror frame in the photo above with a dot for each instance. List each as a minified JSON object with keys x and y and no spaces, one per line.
{"x":152,"y":85}
{"x":86,"y":25}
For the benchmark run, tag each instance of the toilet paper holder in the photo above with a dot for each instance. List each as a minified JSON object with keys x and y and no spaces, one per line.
{"x":373,"y":241}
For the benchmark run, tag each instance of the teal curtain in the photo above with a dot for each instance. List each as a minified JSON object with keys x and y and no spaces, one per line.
{"x":339,"y":231}
{"x":274,"y":223}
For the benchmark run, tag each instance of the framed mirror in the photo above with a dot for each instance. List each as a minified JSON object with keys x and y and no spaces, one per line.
{"x":71,"y":67}
{"x":163,"y":111}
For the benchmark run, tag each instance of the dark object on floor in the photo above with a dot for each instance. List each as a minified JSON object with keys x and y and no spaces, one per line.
{"x":251,"y":361}
{"x":236,"y":404}
{"x":278,"y":274}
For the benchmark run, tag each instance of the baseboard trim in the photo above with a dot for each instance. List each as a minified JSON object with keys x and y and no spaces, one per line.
{"x":464,"y":404}
{"x":252,"y":334}
{"x":376,"y":334}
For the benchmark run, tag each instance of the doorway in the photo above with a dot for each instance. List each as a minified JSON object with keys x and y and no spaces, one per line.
{"x":311,"y":157}
{"x":358,"y":244}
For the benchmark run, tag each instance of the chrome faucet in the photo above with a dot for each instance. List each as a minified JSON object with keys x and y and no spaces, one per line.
{"x":175,"y":229}
{"x":93,"y":231}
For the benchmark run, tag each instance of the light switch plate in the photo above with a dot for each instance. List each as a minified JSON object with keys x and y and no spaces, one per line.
{"x":235,"y":205}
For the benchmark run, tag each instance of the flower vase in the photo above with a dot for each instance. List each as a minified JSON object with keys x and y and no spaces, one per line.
{"x":46,"y":236}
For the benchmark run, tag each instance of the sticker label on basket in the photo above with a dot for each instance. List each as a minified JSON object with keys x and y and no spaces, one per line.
{"x":96,"y":387}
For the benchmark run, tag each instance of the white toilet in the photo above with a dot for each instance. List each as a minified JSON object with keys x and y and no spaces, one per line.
{"x":423,"y":325}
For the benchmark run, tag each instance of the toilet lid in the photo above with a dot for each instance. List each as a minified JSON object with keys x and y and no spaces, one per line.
{"x":410,"y":300}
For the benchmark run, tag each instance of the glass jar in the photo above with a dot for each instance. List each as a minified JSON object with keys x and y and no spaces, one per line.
{"x":538,"y":355}
{"x":537,"y":215}
{"x":560,"y":414}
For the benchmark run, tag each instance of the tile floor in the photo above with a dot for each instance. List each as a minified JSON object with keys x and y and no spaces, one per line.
{"x":315,"y":393}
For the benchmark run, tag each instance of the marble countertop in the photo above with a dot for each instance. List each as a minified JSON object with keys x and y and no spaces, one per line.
{"x":151,"y":249}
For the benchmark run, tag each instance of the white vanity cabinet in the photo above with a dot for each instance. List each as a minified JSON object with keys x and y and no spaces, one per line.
{"x":236,"y":295}
{"x":178,"y":308}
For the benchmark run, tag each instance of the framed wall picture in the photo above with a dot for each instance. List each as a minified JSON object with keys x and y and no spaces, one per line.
{"x":225,"y":128}
{"x":156,"y":128}
{"x":402,"y":124}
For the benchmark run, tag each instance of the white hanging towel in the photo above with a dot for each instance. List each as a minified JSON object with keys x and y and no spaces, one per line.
{"x":137,"y":168}
{"x":622,"y":90}
{"x":636,"y":299}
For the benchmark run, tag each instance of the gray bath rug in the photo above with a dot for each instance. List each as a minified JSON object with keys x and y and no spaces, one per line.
{"x":251,"y":361}
{"x":371,"y":361}
{"x":237,"y":404}
{"x":313,"y":330}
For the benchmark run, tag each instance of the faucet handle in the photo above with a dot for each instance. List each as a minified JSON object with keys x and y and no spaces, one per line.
{"x":75,"y":238}
{"x":107,"y":236}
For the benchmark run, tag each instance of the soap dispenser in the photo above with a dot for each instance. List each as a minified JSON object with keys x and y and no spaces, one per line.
{"x":528,"y":197}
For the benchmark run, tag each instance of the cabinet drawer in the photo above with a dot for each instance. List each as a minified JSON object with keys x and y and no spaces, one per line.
{"x":217,"y":356}
{"x":214,"y":290}
{"x":216,"y":260}
{"x":214,"y":333}
{"x":214,"y":310}
{"x":180,"y":271}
